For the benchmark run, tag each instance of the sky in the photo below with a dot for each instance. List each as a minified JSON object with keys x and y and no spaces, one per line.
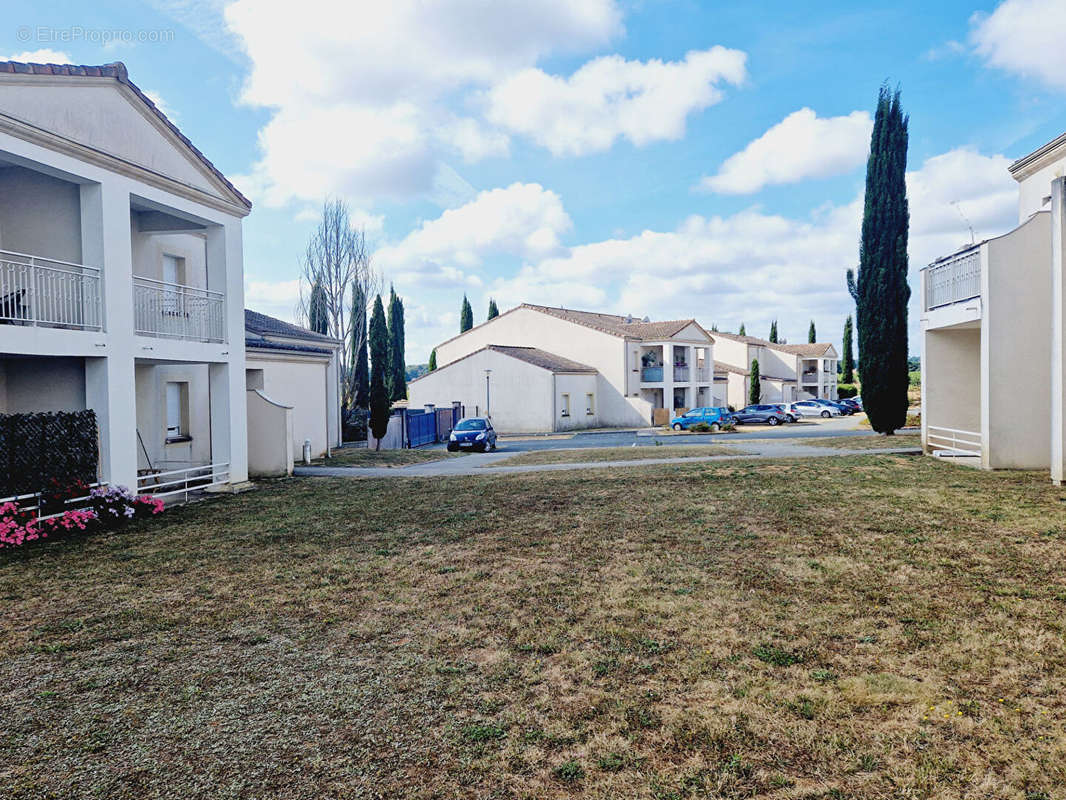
{"x":665,"y":158}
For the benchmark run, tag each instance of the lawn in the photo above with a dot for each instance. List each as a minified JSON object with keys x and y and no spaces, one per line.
{"x":362,"y":457}
{"x":864,"y":627}
{"x":867,"y":442}
{"x":593,"y":454}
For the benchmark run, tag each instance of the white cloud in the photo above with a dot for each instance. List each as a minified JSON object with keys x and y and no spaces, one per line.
{"x":42,"y":56}
{"x":610,"y":97}
{"x":276,"y":298}
{"x":1024,"y":37}
{"x":801,"y":146}
{"x":359,"y":88}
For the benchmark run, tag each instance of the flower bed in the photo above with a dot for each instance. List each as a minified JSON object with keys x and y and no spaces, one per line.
{"x":103,"y":508}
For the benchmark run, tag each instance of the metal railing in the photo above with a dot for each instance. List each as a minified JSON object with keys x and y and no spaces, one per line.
{"x":74,"y":503}
{"x":183,"y":481}
{"x":953,"y":441}
{"x":175,"y":311}
{"x":680,"y":373}
{"x":43,"y":291}
{"x":703,"y":375}
{"x":954,"y":279}
{"x":651,"y":374}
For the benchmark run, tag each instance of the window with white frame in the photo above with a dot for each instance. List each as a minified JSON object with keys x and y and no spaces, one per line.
{"x":590,"y":403}
{"x":177,"y":411}
{"x":565,"y":411}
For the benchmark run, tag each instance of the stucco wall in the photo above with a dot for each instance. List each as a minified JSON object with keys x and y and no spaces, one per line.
{"x":40,"y":215}
{"x":41,"y":384}
{"x":149,"y":248}
{"x":578,"y":387}
{"x":270,"y":436}
{"x":300,"y":383}
{"x":1017,"y":323}
{"x":151,"y":380}
{"x":520,"y":394}
{"x":951,"y":378}
{"x":1033,"y":190}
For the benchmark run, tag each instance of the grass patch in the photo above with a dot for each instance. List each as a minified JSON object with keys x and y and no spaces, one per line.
{"x":598,"y":454}
{"x":871,"y":626}
{"x":362,"y":457}
{"x":867,"y":442}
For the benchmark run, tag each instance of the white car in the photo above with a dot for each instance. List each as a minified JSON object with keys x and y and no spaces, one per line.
{"x":809,"y":408}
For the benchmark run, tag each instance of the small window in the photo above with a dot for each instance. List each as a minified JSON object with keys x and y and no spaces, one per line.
{"x":177,"y":410}
{"x":590,"y":403}
{"x":566,"y":406}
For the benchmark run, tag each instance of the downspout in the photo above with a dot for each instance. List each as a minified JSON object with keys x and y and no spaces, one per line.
{"x":555,"y":416}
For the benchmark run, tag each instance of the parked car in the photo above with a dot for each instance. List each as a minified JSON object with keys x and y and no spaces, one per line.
{"x":715,"y":416}
{"x":843,"y":409}
{"x":809,"y":408}
{"x":788,"y":415}
{"x":475,"y":433}
{"x":854,"y":403}
{"x":771,"y":414}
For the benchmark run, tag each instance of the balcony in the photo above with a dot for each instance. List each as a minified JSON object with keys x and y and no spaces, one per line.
{"x":651,"y":374}
{"x":953,"y":279}
{"x":174,"y":311}
{"x":50,"y":293}
{"x":703,"y":375}
{"x":681,"y":373}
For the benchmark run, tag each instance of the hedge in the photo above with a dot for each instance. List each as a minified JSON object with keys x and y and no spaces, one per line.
{"x":43,"y":449}
{"x":845,"y":390}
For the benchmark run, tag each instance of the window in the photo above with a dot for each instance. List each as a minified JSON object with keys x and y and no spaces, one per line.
{"x":173,"y":275}
{"x":566,"y":406}
{"x":590,"y":403}
{"x":177,"y":412}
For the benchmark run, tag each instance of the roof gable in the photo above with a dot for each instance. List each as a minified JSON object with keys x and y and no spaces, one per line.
{"x":263,"y":327}
{"x":100,"y":109}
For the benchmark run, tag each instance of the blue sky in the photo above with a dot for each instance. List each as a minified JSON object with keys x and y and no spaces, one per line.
{"x":668,"y":158}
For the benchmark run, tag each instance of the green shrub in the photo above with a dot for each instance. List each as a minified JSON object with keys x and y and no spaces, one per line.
{"x":846,"y":390}
{"x":700,"y":427}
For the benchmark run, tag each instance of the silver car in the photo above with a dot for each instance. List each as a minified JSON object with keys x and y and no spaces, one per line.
{"x":809,"y":408}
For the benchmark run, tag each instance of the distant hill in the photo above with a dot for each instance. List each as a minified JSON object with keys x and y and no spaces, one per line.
{"x":416,"y":371}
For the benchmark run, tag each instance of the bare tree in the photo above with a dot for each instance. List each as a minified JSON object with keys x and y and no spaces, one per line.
{"x":336,"y":263}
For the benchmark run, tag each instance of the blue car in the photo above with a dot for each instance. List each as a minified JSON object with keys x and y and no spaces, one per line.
{"x":475,"y":433}
{"x":716,"y":417}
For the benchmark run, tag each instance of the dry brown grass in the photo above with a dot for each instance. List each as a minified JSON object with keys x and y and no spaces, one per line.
{"x":867,"y":442}
{"x":362,"y":457}
{"x":862,"y":627}
{"x":580,"y":455}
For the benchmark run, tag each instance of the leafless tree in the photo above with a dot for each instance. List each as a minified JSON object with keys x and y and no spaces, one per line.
{"x":337,"y":260}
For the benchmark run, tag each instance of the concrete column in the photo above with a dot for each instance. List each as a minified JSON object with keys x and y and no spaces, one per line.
{"x":1058,"y":332}
{"x":109,"y":379}
{"x":229,"y":410}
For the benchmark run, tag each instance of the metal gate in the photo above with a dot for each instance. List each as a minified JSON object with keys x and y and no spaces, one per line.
{"x":421,"y":428}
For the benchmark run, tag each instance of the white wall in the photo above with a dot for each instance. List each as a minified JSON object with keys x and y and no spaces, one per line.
{"x":1033,"y":189}
{"x":301,"y":383}
{"x":149,"y":248}
{"x":951,"y":379}
{"x":151,"y":380}
{"x":270,"y":440}
{"x":39,"y":215}
{"x":41,"y":384}
{"x":578,"y":387}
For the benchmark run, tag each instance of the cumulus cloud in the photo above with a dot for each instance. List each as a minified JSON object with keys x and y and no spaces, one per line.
{"x":42,"y":56}
{"x":803,"y":145}
{"x":359,"y":89}
{"x":276,"y":298}
{"x":1024,"y":37}
{"x":610,"y":97}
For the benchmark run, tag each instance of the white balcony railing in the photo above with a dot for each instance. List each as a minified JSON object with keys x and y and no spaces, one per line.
{"x":43,"y":291}
{"x":182,"y":481}
{"x":952,"y":441}
{"x":954,"y":279}
{"x":174,"y":311}
{"x":680,"y":373}
{"x":703,"y":375}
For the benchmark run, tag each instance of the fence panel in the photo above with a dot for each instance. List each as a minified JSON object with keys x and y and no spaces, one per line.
{"x":421,"y":428}
{"x":40,"y":450}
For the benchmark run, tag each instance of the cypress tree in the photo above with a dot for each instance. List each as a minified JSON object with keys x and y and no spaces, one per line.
{"x":880,"y":289}
{"x":755,"y":390}
{"x":379,"y":361}
{"x":397,"y":369}
{"x":433,"y":359}
{"x":466,"y":316}
{"x":847,"y":358}
{"x":493,"y":310}
{"x":773,"y":331}
{"x":812,"y":337}
{"x":318,"y":313}
{"x":742,"y":331}
{"x":359,"y":348}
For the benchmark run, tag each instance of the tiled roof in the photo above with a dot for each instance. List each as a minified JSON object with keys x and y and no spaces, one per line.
{"x":720,"y":366}
{"x":617,"y":325}
{"x":261,"y":324}
{"x":542,"y":358}
{"x":254,"y":342}
{"x":117,"y":70}
{"x":815,"y":349}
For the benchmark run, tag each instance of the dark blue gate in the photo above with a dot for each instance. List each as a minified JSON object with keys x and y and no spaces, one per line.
{"x":421,"y":428}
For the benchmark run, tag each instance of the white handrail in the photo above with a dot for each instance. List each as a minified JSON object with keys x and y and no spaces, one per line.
{"x":201,"y":477}
{"x":36,"y":290}
{"x":34,"y":258}
{"x":954,"y":442}
{"x":175,"y":311}
{"x":954,"y":279}
{"x":177,"y":286}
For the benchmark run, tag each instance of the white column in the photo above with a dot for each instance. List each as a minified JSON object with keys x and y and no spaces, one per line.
{"x":1058,"y":332}
{"x":668,"y":378}
{"x":109,"y":379}
{"x":229,"y":410}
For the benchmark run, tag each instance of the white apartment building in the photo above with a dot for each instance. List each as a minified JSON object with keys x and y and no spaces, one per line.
{"x":993,"y":337}
{"x":787,"y":372}
{"x":539,"y":368}
{"x":121,"y":276}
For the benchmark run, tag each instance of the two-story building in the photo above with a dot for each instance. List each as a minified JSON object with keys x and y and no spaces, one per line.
{"x":539,"y":368}
{"x":121,"y":276}
{"x":787,"y":372}
{"x":992,"y":334}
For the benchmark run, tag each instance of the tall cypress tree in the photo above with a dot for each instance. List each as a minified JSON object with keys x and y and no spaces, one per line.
{"x":742,"y":332}
{"x":848,"y":375}
{"x":755,"y":390}
{"x":880,"y":289}
{"x":318,"y":312}
{"x":493,"y":310}
{"x":773,"y":331}
{"x":466,"y":316}
{"x":397,"y":370}
{"x":433,"y":359}
{"x":359,"y":348}
{"x":379,"y":362}
{"x":812,"y":336}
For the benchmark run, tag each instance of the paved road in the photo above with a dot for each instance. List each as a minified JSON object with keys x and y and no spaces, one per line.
{"x":768,"y":443}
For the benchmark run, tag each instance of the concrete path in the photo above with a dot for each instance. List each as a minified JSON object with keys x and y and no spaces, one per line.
{"x":770,"y":448}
